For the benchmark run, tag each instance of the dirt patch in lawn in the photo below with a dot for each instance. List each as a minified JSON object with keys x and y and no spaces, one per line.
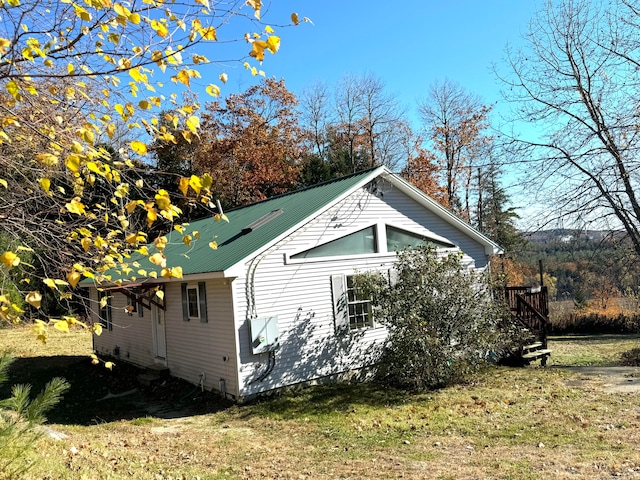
{"x":611,"y":379}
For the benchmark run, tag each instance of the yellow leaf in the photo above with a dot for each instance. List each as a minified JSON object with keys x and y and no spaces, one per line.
{"x":213,"y":90}
{"x":158,"y":259}
{"x":160,"y":28}
{"x":61,"y":325}
{"x":72,"y":162}
{"x":47,"y":159}
{"x":73,"y":278}
{"x":257,"y":50}
{"x":13,"y":89}
{"x":273,"y":43}
{"x":223,"y":77}
{"x":97,"y":329}
{"x":86,"y":244}
{"x":256,"y":5}
{"x":160,"y":294}
{"x":4,"y":183}
{"x":109,"y":365}
{"x":193,"y":123}
{"x":152,"y":216}
{"x":208,"y":33}
{"x":295,"y":19}
{"x":134,"y":18}
{"x":45,"y":183}
{"x":34,"y":299}
{"x":195,"y":183}
{"x":75,"y":206}
{"x":139,"y":147}
{"x":10,"y":259}
{"x":213,"y":245}
{"x":160,"y":242}
{"x":183,"y":186}
{"x":136,"y":75}
{"x":186,"y":239}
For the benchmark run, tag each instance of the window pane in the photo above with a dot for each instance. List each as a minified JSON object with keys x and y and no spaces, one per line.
{"x":400,"y":239}
{"x":359,"y":308}
{"x":357,"y":243}
{"x":192,"y":302}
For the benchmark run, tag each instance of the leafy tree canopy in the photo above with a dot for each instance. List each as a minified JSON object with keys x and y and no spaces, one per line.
{"x":76,"y":77}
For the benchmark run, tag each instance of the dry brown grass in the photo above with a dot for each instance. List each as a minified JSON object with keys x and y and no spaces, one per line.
{"x":510,"y":423}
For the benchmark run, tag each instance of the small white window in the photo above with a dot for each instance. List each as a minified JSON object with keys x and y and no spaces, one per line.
{"x":193,"y":302}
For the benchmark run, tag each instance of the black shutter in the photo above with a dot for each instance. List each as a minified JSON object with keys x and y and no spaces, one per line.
{"x":202,"y":295}
{"x":185,"y":302}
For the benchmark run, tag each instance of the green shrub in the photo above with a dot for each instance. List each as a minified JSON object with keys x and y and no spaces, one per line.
{"x":443,"y":323}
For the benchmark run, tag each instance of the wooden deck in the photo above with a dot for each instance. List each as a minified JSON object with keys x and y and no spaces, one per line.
{"x":530,"y":306}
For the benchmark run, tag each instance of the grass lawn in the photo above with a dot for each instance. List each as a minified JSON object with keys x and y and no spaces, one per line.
{"x":509,"y":423}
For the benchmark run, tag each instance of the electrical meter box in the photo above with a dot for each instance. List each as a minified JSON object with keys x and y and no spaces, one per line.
{"x":264,"y":334}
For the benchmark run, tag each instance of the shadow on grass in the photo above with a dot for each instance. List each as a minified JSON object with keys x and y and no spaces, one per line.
{"x":328,"y":399}
{"x":100,"y":395}
{"x":597,"y":338}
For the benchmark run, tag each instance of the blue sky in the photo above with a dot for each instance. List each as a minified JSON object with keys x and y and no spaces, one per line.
{"x":409,"y":45}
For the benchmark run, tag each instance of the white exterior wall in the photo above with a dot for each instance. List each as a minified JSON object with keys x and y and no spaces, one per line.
{"x":299,"y":292}
{"x":192,"y":347}
{"x":131,"y":333}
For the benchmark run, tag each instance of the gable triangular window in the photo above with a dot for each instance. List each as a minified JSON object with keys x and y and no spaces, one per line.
{"x":398,"y":239}
{"x":357,"y":243}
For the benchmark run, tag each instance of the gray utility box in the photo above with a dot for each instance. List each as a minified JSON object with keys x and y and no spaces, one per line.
{"x":264,"y":334}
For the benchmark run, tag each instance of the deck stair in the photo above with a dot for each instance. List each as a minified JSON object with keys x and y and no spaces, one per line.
{"x":535,"y":351}
{"x":530,"y":307}
{"x":153,"y":374}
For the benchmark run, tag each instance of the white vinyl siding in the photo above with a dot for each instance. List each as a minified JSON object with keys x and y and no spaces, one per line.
{"x":197,"y":347}
{"x":192,"y":347}
{"x":130,"y":336}
{"x":301,"y":292}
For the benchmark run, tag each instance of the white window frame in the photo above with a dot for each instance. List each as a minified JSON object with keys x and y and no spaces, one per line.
{"x":381,"y":243}
{"x":197,"y":290}
{"x":352,"y":318}
{"x":342,"y":307}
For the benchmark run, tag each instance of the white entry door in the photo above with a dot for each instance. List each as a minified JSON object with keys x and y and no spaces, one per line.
{"x":159,"y":336}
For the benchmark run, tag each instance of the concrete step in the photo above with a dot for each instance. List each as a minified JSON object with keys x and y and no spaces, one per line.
{"x":148,"y":380}
{"x":158,"y":370}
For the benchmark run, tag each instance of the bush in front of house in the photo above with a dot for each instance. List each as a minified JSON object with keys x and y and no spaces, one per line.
{"x":443,"y":323}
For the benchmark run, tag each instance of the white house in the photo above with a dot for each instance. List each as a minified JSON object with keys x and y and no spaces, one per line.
{"x":272,"y":306}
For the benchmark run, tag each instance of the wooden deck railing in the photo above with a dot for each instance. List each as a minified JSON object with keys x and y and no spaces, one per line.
{"x":531,"y":307}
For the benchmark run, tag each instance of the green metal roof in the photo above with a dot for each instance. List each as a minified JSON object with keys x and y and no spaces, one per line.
{"x":235,"y":243}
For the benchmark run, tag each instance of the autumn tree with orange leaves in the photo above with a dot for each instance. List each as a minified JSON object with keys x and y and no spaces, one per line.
{"x":251,"y":144}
